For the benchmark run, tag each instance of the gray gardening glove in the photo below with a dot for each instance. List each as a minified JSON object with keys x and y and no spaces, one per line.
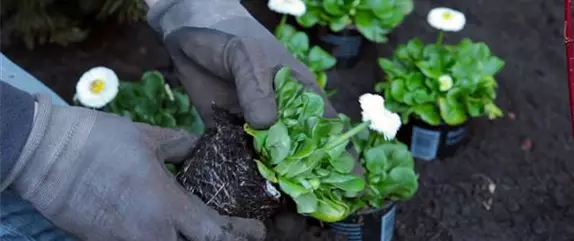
{"x":102,"y":177}
{"x":223,"y":55}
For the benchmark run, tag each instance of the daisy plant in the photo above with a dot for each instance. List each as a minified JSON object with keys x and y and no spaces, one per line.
{"x":150,"y":100}
{"x":373,"y":19}
{"x":441,"y":83}
{"x":306,"y":154}
{"x":314,"y":57}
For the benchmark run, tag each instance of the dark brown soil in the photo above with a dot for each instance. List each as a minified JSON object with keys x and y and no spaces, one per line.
{"x":527,"y":156}
{"x":221,"y":170}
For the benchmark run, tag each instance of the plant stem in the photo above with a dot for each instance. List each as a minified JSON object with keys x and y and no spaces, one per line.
{"x":281,"y":24}
{"x":283,"y":20}
{"x":372,"y":139}
{"x":439,"y":38}
{"x":345,"y":136}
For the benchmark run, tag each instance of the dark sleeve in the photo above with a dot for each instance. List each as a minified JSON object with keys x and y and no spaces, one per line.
{"x":16,"y":117}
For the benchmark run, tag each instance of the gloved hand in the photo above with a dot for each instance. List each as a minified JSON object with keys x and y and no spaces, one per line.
{"x":223,"y":55}
{"x":102,"y":177}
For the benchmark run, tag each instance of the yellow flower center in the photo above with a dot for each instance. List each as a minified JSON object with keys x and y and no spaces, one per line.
{"x":97,"y":86}
{"x":447,"y":15}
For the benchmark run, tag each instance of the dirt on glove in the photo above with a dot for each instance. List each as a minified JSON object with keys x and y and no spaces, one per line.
{"x":221,"y":170}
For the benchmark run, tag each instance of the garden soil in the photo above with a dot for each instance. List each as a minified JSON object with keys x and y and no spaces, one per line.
{"x":513,"y":181}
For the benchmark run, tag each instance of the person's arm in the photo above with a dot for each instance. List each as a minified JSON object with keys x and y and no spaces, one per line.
{"x":16,"y":119}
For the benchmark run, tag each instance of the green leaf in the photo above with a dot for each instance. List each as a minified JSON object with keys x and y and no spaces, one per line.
{"x":401,"y":183}
{"x":281,"y":77}
{"x":278,"y":142}
{"x":336,"y":177}
{"x":391,"y":69}
{"x":309,"y":19}
{"x":345,"y":182}
{"x":266,"y":172}
{"x":330,"y":211}
{"x":344,"y":164}
{"x":474,"y":107}
{"x":284,"y":32}
{"x":376,"y":159}
{"x":493,"y":111}
{"x":259,"y":137}
{"x":322,"y":172}
{"x":339,"y":24}
{"x":313,"y":105}
{"x":305,"y":149}
{"x":398,"y":89}
{"x":429,"y":113}
{"x":321,"y":79}
{"x":415,"y":48}
{"x":415,"y":80}
{"x":145,"y":107}
{"x":333,"y":7}
{"x":336,"y":151}
{"x":327,"y":128}
{"x":368,"y":25}
{"x":292,"y":189}
{"x":164,"y":119}
{"x":306,"y":203}
{"x":492,"y":65}
{"x":405,"y":6}
{"x":452,"y":113}
{"x":430,"y":69}
{"x":289,"y":95}
{"x":299,"y":42}
{"x":182,"y":101}
{"x":171,"y":168}
{"x":153,"y":84}
{"x":378,"y":6}
{"x":320,"y":59}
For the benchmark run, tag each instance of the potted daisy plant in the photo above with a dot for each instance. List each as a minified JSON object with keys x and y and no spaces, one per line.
{"x":340,"y":26}
{"x":389,"y":174}
{"x":306,"y":156}
{"x":437,"y":88}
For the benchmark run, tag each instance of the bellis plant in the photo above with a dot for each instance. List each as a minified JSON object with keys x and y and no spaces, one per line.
{"x":314,"y":57}
{"x":150,"y":100}
{"x":441,"y":83}
{"x":306,"y":155}
{"x":373,"y":19}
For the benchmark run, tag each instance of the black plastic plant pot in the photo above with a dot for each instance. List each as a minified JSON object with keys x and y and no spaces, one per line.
{"x":427,"y":142}
{"x":345,"y":45}
{"x":374,"y":224}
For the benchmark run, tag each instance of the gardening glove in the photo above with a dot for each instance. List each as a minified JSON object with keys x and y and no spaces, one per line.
{"x":224,"y":56}
{"x":102,"y":177}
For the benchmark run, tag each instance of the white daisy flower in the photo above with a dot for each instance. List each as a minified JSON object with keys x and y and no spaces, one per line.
{"x":97,"y":87}
{"x":445,"y":82}
{"x":293,"y":7}
{"x":446,"y":19}
{"x":380,"y":118}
